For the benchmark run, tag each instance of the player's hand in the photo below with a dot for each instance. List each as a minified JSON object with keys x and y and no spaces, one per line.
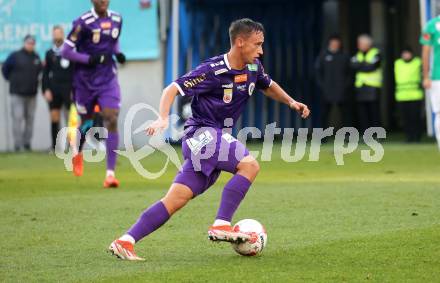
{"x":158,"y":126}
{"x":97,"y":59}
{"x":427,"y":83}
{"x":301,"y":108}
{"x":121,"y":58}
{"x":48,"y":95}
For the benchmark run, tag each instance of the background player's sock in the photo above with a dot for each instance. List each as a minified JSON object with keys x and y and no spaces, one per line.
{"x":232,"y":195}
{"x":149,"y":221}
{"x":54,"y":126}
{"x":112,"y":145}
{"x":86,"y":124}
{"x":110,"y":173}
{"x":219,"y":222}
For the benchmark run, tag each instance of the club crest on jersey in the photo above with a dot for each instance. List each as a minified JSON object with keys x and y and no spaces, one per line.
{"x":240,"y":78}
{"x":115,"y":33}
{"x":96,"y":37}
{"x":227,"y":95}
{"x":437,"y":26}
{"x":251,"y":88}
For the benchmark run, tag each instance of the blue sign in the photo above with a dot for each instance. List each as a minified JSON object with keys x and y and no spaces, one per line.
{"x":139,"y":37}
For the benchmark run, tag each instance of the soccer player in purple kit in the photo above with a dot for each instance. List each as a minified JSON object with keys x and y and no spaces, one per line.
{"x":92,"y":43}
{"x":220,"y":88}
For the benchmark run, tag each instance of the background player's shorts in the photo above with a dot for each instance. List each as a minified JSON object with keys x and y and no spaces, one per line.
{"x":207,"y":152}
{"x":434,"y":94}
{"x":86,"y":100}
{"x":60,"y":99}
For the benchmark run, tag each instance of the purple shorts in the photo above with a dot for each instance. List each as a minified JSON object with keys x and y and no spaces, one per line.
{"x":86,"y":100}
{"x":207,"y":152}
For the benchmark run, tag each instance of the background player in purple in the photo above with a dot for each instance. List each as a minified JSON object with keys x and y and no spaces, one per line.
{"x":92,"y":43}
{"x":220,"y":88}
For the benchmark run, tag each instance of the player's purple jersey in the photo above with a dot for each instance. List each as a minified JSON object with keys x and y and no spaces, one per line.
{"x":220,"y":92}
{"x":91,"y":35}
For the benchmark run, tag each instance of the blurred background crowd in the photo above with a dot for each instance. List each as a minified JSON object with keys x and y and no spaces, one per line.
{"x":354,"y":62}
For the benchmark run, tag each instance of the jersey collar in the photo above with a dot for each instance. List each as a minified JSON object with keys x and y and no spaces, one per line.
{"x":96,"y":15}
{"x":225,"y":58}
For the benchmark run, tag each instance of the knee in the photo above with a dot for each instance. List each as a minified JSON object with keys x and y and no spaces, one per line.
{"x":173,"y":204}
{"x":111,"y":122}
{"x":174,"y":201}
{"x":249,"y":167}
{"x":254,"y":167}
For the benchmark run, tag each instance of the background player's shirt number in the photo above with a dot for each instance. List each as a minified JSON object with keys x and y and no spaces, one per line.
{"x":195,"y":144}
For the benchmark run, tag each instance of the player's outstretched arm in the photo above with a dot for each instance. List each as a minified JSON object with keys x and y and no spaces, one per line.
{"x":277,"y":93}
{"x":69,"y":53}
{"x":167,"y":99}
{"x":426,"y":54}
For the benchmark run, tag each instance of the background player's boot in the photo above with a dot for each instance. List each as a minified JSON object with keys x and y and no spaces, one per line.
{"x":111,"y":182}
{"x":227,"y":234}
{"x":124,"y":250}
{"x":77,"y":162}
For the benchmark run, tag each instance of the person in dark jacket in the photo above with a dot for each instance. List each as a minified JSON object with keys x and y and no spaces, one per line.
{"x":333,"y":77}
{"x":22,"y":69}
{"x":57,"y":81}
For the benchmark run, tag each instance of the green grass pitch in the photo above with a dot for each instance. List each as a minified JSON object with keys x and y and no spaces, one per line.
{"x":361,"y":222}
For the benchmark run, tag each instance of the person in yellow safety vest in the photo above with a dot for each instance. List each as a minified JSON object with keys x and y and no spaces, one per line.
{"x":409,"y":93}
{"x":368,"y":82}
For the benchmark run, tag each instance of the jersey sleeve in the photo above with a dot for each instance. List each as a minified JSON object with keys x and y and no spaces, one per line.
{"x":263,"y":80}
{"x":75,"y":33}
{"x":196,"y":82}
{"x":428,"y":33}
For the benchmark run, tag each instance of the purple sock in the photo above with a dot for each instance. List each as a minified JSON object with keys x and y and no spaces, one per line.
{"x":150,"y":220}
{"x":112,"y":145}
{"x":232,"y":195}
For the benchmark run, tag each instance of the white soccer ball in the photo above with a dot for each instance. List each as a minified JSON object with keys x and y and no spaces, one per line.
{"x":258,"y":239}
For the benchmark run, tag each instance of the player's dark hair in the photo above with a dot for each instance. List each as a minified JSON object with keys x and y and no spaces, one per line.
{"x":244,"y":27}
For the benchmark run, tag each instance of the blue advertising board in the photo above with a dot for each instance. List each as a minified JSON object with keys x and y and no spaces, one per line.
{"x":139,"y":38}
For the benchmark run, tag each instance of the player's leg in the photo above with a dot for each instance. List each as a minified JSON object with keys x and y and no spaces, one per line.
{"x":434,"y":94}
{"x":84,"y":101}
{"x":186,"y":186}
{"x":110,"y":118}
{"x":245,"y":169}
{"x":437,"y":128}
{"x":109,"y":101}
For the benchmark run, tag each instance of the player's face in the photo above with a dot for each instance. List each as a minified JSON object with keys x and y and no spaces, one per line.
{"x":58,"y":36}
{"x":251,"y":47}
{"x":100,"y":6}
